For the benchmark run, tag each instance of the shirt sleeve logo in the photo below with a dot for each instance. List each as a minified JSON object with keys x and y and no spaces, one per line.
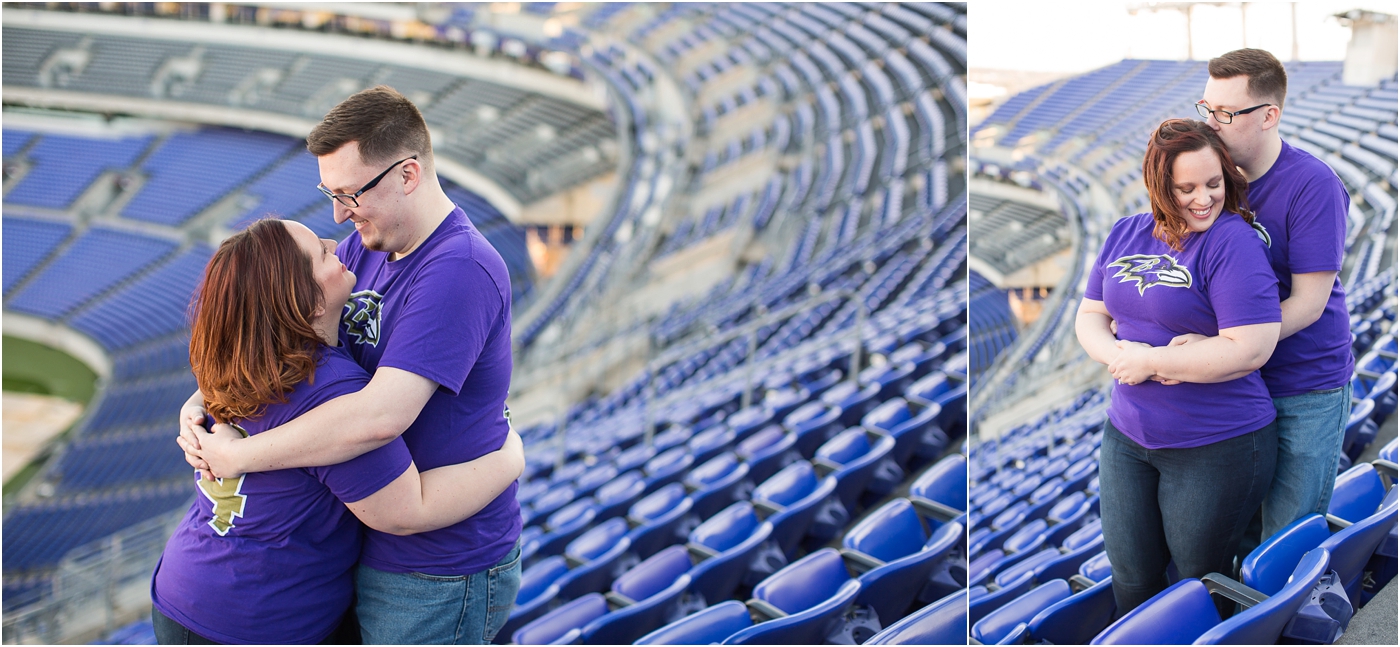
{"x":227,"y":497}
{"x":1150,"y":270}
{"x":362,"y":316}
{"x":1262,"y":233}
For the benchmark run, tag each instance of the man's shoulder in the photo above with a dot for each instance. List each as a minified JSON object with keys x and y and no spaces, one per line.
{"x":1299,"y":167}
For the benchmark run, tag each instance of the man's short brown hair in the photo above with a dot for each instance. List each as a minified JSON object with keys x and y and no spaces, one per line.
{"x":385,"y":123}
{"x":1267,"y":79}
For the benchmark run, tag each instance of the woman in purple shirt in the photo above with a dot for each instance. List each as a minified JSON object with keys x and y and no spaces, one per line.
{"x":1189,"y":445}
{"x":268,"y":557}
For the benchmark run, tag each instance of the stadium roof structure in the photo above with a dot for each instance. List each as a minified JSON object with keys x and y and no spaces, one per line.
{"x":511,"y":133}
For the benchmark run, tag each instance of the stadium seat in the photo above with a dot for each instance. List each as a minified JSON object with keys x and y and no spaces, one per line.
{"x":717,"y":483}
{"x":941,"y":623}
{"x":1186,"y":613}
{"x":806,"y":602}
{"x":709,"y":626}
{"x":814,"y":423}
{"x":596,"y":558}
{"x":616,"y":496}
{"x":646,"y":597}
{"x":897,"y":559}
{"x":799,"y":504}
{"x":1357,"y":493}
{"x":945,"y":483}
{"x":998,"y":625}
{"x":563,"y":625}
{"x":909,"y":429}
{"x":538,"y":588}
{"x":732,"y":549}
{"x":768,"y":451}
{"x":1076,"y":619}
{"x":859,"y":460}
{"x":658,"y":520}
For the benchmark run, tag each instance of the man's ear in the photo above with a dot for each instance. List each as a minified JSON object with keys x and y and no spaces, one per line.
{"x":412,"y":176}
{"x":1272,"y":116}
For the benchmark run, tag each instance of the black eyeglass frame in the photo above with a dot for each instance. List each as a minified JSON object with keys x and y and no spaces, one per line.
{"x":1206,"y":112}
{"x":354,"y":197}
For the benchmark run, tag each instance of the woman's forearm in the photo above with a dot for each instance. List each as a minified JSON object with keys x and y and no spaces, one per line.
{"x":1095,"y":336}
{"x":440,"y":497}
{"x":1234,"y":353}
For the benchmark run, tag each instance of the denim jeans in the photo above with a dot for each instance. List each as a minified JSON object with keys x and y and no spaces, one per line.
{"x":423,"y":609}
{"x":1310,"y":431}
{"x":1189,"y":505}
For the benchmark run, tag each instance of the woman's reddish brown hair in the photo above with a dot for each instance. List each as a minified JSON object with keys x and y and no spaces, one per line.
{"x":1172,"y":138}
{"x":252,"y":338}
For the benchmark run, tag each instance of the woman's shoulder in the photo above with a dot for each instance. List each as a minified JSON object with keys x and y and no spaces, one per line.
{"x":1232,"y":229}
{"x":336,"y":365}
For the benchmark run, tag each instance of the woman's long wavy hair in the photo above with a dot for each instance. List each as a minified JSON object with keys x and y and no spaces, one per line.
{"x":1171,"y":139}
{"x":252,"y":339}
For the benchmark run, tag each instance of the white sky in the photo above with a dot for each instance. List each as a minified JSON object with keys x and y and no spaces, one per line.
{"x":1063,"y":36}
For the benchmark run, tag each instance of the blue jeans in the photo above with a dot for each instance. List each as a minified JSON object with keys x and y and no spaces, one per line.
{"x":1310,"y":431}
{"x":422,"y":609}
{"x":1189,"y":505}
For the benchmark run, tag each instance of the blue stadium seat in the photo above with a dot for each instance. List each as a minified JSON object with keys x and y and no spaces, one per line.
{"x":768,"y":451}
{"x":1076,"y":619}
{"x":798,"y":503}
{"x":813,"y":424}
{"x":617,"y":495}
{"x":810,"y":596}
{"x":1185,"y":613}
{"x":859,"y":460}
{"x":909,"y":429}
{"x":657,"y":520}
{"x":709,"y":626}
{"x":538,"y":588}
{"x":944,"y":483}
{"x":1357,"y":493}
{"x":898,"y":561}
{"x":941,"y":623}
{"x":596,"y":558}
{"x":733,"y":549}
{"x":650,"y":593}
{"x":1000,"y":624}
{"x":717,"y":483}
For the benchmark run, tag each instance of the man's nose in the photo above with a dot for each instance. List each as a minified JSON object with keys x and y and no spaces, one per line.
{"x":340,"y":212}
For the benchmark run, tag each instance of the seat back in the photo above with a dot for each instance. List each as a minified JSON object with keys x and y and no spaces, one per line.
{"x":1268,"y":567}
{"x":892,"y":531}
{"x":945,"y":482}
{"x":597,"y":540}
{"x":790,"y":485}
{"x":846,"y":447}
{"x":805,"y":582}
{"x":943,"y":622}
{"x":811,"y":626}
{"x":1097,"y":568}
{"x":998,"y":624}
{"x":1357,"y":493}
{"x":653,"y":574}
{"x":705,"y":627}
{"x":1352,"y":547}
{"x":629,"y":623}
{"x":887,"y":416}
{"x":726,"y":529}
{"x":1076,"y":619}
{"x":1262,"y":623}
{"x":1176,"y":616}
{"x":571,"y":617}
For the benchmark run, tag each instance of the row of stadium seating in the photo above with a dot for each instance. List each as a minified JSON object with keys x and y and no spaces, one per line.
{"x":990,"y":326}
{"x":773,"y":47}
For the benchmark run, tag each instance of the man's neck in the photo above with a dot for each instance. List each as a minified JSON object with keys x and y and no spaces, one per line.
{"x":1264,"y":159}
{"x":434,"y":209}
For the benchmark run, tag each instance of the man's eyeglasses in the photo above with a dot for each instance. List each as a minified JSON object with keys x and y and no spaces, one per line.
{"x":350,"y":199}
{"x":1224,"y":116}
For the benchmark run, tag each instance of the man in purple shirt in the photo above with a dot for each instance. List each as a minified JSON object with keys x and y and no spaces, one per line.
{"x":429,"y":318}
{"x":1302,"y":206}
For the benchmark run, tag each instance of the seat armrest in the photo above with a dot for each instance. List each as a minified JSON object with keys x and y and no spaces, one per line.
{"x":699,"y":552}
{"x":1226,"y":587}
{"x":764,"y":507}
{"x":824,"y":467}
{"x":617,"y":600}
{"x":762,"y":611}
{"x":1387,"y":470}
{"x":1336,"y":523}
{"x":858,"y":562}
{"x":935,"y":510}
{"x":1078,"y":582}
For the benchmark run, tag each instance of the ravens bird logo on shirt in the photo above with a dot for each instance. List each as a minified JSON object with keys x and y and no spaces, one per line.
{"x":362,"y":316}
{"x":1150,"y":270}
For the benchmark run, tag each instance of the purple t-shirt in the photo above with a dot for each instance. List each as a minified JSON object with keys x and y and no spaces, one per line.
{"x":274,"y":565}
{"x":1303,"y":206}
{"x":442,"y":312}
{"x":1218,"y":280}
